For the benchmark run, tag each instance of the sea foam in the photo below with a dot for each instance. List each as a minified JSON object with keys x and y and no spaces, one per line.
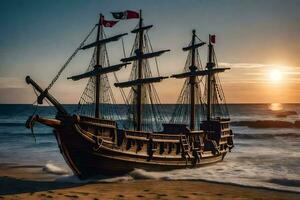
{"x":53,"y":169}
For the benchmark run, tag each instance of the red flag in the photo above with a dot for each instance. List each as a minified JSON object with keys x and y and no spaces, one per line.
{"x":108,"y":23}
{"x":128,"y":14}
{"x":212,"y":39}
{"x":132,"y":14}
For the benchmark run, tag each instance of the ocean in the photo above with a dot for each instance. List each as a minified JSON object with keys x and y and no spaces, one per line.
{"x":262,"y":157}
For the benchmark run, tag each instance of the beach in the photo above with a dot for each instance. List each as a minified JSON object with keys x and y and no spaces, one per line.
{"x":32,"y":182}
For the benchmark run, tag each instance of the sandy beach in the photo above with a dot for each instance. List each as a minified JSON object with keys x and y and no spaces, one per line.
{"x":32,"y":182}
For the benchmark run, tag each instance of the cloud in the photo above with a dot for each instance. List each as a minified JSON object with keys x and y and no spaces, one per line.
{"x":243,"y":65}
{"x":249,"y":72}
{"x":258,"y":66}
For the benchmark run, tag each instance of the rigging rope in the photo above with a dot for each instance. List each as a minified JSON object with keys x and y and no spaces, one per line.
{"x":69,"y":59}
{"x":114,"y":73}
{"x":182,"y":108}
{"x":156,"y":63}
{"x":152,"y":115}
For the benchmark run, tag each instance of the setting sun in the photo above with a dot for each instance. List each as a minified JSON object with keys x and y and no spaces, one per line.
{"x":275,"y":75}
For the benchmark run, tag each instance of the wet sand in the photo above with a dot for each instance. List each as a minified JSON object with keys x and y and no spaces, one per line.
{"x":32,"y":182}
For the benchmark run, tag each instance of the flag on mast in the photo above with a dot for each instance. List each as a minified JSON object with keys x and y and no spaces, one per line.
{"x":108,"y":23}
{"x":212,"y":39}
{"x":127,"y":14}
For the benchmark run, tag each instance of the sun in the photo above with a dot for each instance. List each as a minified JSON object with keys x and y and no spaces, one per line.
{"x":275,"y":75}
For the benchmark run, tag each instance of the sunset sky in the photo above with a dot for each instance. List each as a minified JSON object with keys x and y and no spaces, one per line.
{"x":258,"y":40}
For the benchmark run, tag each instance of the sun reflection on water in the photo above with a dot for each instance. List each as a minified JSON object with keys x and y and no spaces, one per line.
{"x":275,"y":106}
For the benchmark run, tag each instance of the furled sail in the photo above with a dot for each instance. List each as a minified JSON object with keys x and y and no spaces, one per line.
{"x":98,"y":70}
{"x":140,"y":81}
{"x":199,"y":73}
{"x":143,"y":28}
{"x":144,"y":56}
{"x":104,"y":41}
{"x":193,"y":46}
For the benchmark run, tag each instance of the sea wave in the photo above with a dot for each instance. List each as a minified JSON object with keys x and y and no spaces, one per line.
{"x":229,"y":173}
{"x":281,"y":184}
{"x":54,"y":169}
{"x":267,"y":124}
{"x":265,"y":135}
{"x":234,"y":177}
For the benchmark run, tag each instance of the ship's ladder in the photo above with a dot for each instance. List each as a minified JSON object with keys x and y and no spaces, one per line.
{"x":198,"y":144}
{"x":185,"y":148}
{"x":197,"y":149}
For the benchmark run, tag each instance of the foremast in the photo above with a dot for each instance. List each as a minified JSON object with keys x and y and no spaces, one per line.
{"x":140,"y":75}
{"x":98,"y":99}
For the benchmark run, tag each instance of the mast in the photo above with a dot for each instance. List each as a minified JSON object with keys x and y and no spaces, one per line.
{"x":140,"y":76}
{"x":209,"y":66}
{"x":192,"y":85}
{"x":97,"y":88}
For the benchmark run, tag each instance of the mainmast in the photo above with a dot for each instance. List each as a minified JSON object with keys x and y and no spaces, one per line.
{"x":209,"y":66}
{"x":140,"y":76}
{"x":141,"y":80}
{"x":97,"y":86}
{"x":192,"y":82}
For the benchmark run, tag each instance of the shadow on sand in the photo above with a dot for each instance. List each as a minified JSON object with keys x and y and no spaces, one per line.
{"x":10,"y":185}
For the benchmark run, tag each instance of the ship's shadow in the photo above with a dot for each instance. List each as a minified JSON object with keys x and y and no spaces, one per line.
{"x":9,"y":185}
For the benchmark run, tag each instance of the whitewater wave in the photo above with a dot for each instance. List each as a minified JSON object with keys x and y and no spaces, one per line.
{"x":239,"y":176}
{"x":98,"y":179}
{"x":233,"y":174}
{"x":53,"y":169}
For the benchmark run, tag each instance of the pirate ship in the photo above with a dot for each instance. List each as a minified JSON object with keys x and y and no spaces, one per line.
{"x":98,"y":139}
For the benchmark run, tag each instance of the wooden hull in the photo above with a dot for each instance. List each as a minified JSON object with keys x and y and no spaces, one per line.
{"x":88,"y":158}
